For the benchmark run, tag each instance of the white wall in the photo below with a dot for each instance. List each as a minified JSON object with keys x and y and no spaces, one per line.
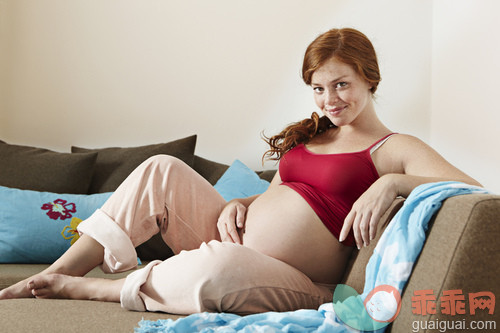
{"x":465,"y":84}
{"x":3,"y":67}
{"x":129,"y":72}
{"x":99,"y":73}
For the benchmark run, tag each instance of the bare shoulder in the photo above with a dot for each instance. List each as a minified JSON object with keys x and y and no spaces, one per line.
{"x":407,"y":154}
{"x":405,"y":147}
{"x":415,"y":157}
{"x":405,"y":141}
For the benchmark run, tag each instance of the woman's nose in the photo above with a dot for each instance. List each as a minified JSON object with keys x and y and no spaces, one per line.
{"x":331,"y":97}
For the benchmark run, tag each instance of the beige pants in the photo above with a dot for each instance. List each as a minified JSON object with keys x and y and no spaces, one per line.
{"x":164,"y":194}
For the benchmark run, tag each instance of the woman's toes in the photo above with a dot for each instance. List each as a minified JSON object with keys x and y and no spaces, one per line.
{"x":31,"y":285}
{"x":18,"y":290}
{"x":44,"y":286}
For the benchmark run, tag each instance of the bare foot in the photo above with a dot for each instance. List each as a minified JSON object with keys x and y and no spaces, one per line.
{"x":50,"y":286}
{"x":80,"y":258}
{"x":72,"y":287}
{"x":18,"y":290}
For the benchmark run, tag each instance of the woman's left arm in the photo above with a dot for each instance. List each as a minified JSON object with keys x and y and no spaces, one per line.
{"x":411,"y":164}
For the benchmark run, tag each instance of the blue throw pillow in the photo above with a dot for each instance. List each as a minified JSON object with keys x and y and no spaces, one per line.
{"x":239,"y":181}
{"x":38,"y":227}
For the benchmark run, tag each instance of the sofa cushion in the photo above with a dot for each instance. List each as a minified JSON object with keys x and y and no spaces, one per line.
{"x":58,"y":315}
{"x":239,"y":181}
{"x":210,"y":170}
{"x":267,"y":174}
{"x":115,"y":164}
{"x":38,"y":227}
{"x":71,"y":316}
{"x":39,"y":169}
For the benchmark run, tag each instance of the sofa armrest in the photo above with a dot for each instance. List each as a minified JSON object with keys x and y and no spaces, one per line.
{"x":462,"y":252}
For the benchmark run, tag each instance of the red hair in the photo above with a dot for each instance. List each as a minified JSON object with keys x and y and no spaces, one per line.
{"x":346,"y":45}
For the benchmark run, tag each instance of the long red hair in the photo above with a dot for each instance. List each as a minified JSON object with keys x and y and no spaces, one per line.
{"x":346,"y":45}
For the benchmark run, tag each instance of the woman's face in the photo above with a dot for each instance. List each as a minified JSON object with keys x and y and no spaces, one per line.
{"x":340,"y":93}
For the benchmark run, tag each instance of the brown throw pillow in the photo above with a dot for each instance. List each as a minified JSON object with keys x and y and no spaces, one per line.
{"x":115,"y":164}
{"x":210,"y":170}
{"x":38,"y":169}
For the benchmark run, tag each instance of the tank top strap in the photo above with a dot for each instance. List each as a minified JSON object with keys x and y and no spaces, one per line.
{"x":379,"y":143}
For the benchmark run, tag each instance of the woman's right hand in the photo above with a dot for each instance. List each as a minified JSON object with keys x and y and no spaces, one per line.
{"x":230,"y":220}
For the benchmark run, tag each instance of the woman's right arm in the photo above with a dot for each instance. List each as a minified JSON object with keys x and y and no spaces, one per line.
{"x":233,"y":215}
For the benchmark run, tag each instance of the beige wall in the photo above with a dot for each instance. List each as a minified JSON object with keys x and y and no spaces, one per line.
{"x":465,"y":84}
{"x":128,"y":72}
{"x":3,"y":67}
{"x":98,"y":73}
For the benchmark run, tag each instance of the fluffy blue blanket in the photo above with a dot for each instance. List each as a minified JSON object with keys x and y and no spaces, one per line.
{"x":386,"y":273}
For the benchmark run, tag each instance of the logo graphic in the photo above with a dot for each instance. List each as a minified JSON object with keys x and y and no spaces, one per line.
{"x":380,"y":307}
{"x":383,"y":303}
{"x":453,"y":302}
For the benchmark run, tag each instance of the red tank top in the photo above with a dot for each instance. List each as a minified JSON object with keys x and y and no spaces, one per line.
{"x":330,"y":183}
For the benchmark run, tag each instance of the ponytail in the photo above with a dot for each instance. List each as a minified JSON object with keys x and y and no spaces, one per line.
{"x":295,"y":134}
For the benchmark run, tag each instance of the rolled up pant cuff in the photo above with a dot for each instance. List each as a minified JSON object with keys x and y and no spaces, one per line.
{"x":129,"y":295}
{"x":119,"y":252}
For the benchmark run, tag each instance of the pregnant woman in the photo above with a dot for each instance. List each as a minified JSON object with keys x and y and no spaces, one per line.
{"x":279,"y":251}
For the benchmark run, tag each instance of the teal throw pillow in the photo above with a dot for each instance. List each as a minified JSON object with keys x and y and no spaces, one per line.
{"x":38,"y":227}
{"x":239,"y":181}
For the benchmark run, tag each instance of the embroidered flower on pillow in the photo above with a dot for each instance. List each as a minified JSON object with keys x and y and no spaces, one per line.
{"x":70,"y":232}
{"x":59,"y":209}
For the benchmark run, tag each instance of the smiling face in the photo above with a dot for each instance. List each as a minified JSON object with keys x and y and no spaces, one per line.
{"x":340,"y":92}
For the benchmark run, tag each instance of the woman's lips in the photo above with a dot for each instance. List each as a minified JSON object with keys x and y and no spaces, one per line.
{"x":335,"y":111}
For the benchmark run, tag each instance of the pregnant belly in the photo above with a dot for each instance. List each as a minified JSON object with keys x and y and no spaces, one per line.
{"x":281,"y":224}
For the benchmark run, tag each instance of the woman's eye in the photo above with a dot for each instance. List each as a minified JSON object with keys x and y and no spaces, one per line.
{"x":318,"y":90}
{"x":341,"y":85}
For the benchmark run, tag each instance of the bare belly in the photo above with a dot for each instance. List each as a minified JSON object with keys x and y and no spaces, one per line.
{"x":281,"y":224}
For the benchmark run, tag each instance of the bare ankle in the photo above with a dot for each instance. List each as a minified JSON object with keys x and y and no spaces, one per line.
{"x":79,"y":259}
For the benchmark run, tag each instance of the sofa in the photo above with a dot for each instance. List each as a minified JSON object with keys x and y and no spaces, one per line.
{"x":461,"y":253}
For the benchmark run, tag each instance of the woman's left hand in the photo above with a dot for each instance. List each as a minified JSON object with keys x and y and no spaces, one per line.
{"x":367,"y":210}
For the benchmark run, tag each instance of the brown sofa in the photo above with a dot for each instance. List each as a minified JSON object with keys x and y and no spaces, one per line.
{"x":461,"y":252}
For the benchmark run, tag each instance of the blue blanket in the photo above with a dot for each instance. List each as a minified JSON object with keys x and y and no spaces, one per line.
{"x":388,"y":271}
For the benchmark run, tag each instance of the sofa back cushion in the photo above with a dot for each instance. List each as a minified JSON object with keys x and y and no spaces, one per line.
{"x":38,"y":169}
{"x":239,"y":181}
{"x":213,"y":171}
{"x":114,"y":164}
{"x":209,"y":169}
